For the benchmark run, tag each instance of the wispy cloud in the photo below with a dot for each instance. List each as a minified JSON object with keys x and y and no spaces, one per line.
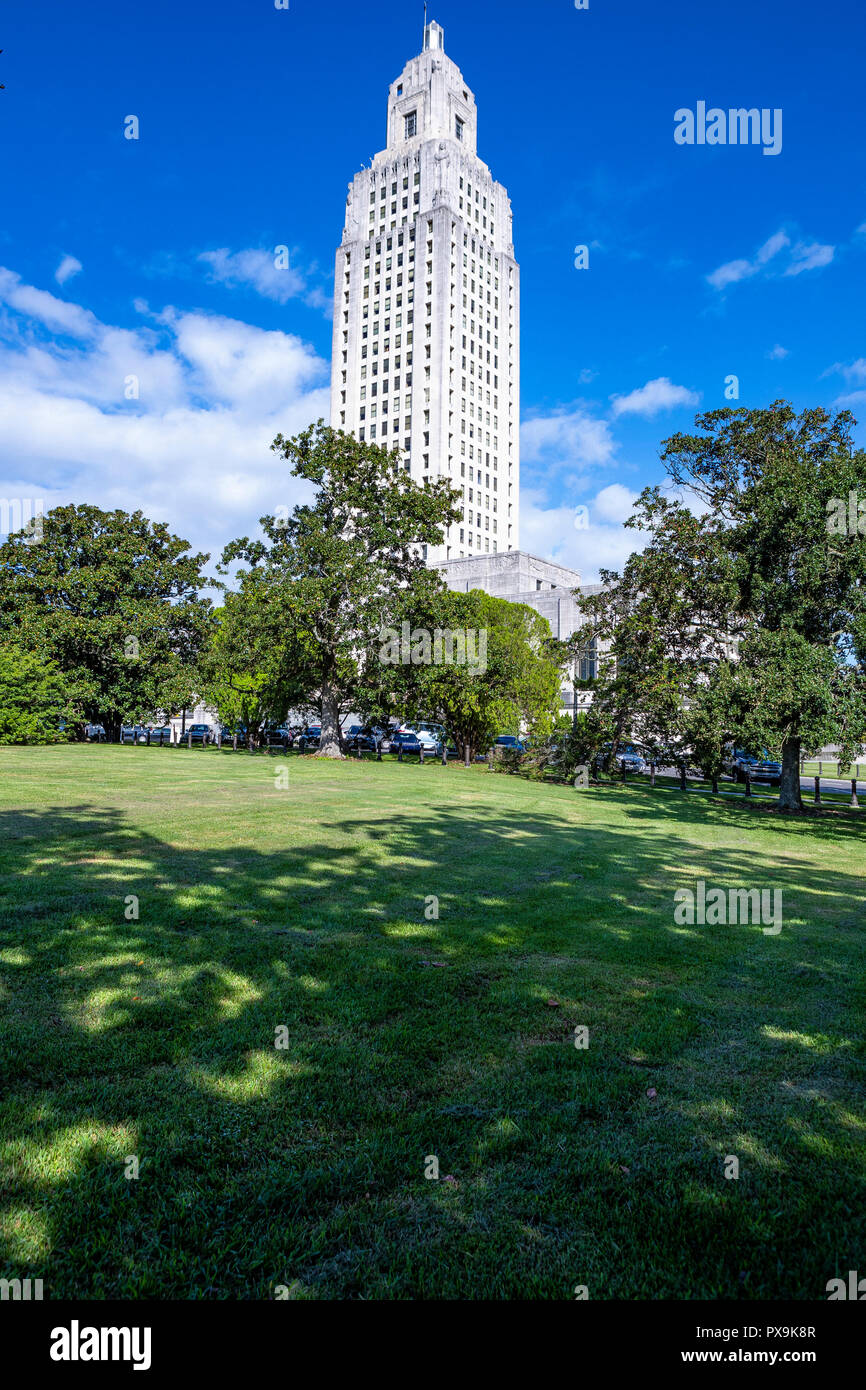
{"x":68,"y":267}
{"x":809,"y":256}
{"x":852,"y":371}
{"x":656,"y":396}
{"x":855,"y":376}
{"x":777,"y":353}
{"x":802,"y":255}
{"x":270,"y":273}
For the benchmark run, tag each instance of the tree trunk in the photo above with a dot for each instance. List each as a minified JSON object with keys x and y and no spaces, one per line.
{"x":789,"y":788}
{"x":329,"y":744}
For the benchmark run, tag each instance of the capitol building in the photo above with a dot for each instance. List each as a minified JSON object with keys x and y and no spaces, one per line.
{"x":426,"y":345}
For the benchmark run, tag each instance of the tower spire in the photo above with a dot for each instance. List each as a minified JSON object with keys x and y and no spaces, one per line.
{"x":434,"y":34}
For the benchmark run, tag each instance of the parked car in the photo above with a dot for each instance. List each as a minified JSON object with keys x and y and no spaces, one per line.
{"x":632,"y":757}
{"x":161,"y":734}
{"x":94,"y":733}
{"x":277,"y":737}
{"x":437,"y":730}
{"x":133,"y":733}
{"x":766,"y":770}
{"x":369,"y":737}
{"x":511,"y":741}
{"x":626,"y":753}
{"x":228,"y":734}
{"x":310,"y":738}
{"x":200,"y":733}
{"x":412,"y":741}
{"x":430,"y":736}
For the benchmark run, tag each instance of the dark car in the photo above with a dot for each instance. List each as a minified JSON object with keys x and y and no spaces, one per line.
{"x":407,"y":741}
{"x":228,"y":735}
{"x":309,"y":739}
{"x":161,"y":734}
{"x":741,"y":764}
{"x":369,"y":737}
{"x":94,"y":733}
{"x":200,"y":733}
{"x":277,"y":737}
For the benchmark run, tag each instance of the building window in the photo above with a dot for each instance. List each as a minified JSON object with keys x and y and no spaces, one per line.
{"x":411,"y":124}
{"x":458,"y":128}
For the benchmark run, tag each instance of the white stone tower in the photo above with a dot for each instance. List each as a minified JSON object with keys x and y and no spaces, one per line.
{"x":426,"y":352}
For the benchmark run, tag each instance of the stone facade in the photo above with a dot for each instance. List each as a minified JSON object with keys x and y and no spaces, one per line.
{"x":547,"y":587}
{"x":426,"y":353}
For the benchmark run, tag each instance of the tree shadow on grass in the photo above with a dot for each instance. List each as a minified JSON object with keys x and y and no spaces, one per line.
{"x":409,"y":1035}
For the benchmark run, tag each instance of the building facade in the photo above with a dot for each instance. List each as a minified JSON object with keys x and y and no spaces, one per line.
{"x":426,"y":353}
{"x":547,"y":587}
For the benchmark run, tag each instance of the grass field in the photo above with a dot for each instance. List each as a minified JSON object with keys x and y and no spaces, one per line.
{"x":406,"y":1036}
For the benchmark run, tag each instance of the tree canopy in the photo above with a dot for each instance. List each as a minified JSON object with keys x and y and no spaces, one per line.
{"x":746,"y":583}
{"x":323,"y":579}
{"x":113,"y":601}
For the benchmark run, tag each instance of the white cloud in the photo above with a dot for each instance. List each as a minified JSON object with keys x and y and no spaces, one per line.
{"x":733,"y":271}
{"x":853,"y":399}
{"x":852,"y":371}
{"x":771,"y":247}
{"x":615,"y":503}
{"x":191,"y":450}
{"x":604,"y":543}
{"x":655,"y":396}
{"x":68,"y":267}
{"x":267,"y":273}
{"x":803,"y":256}
{"x":571,"y":437}
{"x":809,"y":257}
{"x":777,"y":353}
{"x":46,"y":309}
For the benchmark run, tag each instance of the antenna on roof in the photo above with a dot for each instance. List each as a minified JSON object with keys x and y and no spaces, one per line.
{"x":424,"y":35}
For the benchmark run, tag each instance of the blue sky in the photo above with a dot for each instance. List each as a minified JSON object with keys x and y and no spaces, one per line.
{"x":153,"y":258}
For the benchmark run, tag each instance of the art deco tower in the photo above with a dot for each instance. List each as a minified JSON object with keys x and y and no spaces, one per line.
{"x":426,"y":352}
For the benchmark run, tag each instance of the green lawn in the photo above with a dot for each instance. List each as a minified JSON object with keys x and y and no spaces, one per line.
{"x":304,"y":1166}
